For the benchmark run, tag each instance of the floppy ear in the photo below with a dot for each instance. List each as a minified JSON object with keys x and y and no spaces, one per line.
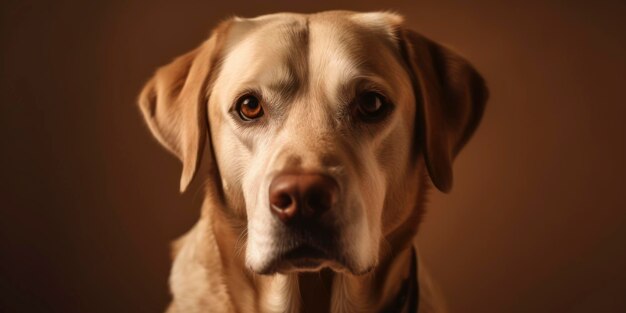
{"x":174,"y":104}
{"x":450,"y":95}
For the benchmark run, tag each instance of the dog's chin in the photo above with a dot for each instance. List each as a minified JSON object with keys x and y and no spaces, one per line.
{"x":305,"y":258}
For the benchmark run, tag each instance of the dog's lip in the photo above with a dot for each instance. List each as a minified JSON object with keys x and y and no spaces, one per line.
{"x":300,"y":258}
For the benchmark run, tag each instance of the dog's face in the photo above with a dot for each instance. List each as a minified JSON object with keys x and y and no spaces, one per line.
{"x":318,"y":124}
{"x":321,"y":99}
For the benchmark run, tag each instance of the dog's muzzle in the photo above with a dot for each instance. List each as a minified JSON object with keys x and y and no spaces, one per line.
{"x":303,"y":203}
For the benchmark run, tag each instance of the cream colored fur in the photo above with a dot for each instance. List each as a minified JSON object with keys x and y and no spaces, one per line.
{"x":308,"y":69}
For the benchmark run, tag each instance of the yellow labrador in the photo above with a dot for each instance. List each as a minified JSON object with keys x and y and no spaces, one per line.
{"x":326,"y":131}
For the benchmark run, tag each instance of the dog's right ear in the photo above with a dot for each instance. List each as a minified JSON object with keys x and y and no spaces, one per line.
{"x":174,"y":103}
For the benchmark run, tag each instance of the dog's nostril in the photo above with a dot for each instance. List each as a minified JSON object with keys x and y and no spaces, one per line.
{"x":283,"y":198}
{"x":318,"y":201}
{"x":282,"y":201}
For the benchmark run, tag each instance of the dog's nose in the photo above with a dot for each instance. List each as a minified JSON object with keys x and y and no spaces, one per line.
{"x":302,"y":195}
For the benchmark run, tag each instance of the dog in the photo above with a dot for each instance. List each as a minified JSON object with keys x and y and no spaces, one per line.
{"x":325,"y":133}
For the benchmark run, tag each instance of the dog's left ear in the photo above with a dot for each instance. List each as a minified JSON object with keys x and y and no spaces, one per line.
{"x":450,"y":95}
{"x":174,"y":103}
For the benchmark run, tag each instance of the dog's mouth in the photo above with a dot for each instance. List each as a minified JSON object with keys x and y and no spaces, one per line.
{"x":306,"y":247}
{"x":300,"y":258}
{"x":304,"y":253}
{"x":306,"y":257}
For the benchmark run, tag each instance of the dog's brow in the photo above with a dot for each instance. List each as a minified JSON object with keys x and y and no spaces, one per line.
{"x":287,"y":83}
{"x":277,"y":88}
{"x":347,"y":90}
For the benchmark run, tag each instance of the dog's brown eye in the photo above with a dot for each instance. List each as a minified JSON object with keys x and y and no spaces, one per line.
{"x":249,"y":108}
{"x":371,"y":106}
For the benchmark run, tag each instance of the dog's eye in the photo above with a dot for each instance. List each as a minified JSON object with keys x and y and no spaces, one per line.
{"x":249,"y":108}
{"x":371,"y":106}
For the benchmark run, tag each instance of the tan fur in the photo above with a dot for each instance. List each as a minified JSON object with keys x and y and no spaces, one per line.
{"x":308,"y":69}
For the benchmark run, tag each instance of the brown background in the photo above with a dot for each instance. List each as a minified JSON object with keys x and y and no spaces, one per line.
{"x":536,"y":221}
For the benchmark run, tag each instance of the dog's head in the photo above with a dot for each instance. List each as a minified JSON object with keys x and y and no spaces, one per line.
{"x":322,"y":128}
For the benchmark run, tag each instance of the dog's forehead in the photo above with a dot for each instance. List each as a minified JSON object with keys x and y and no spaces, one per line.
{"x":326,"y":49}
{"x":281,"y":23}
